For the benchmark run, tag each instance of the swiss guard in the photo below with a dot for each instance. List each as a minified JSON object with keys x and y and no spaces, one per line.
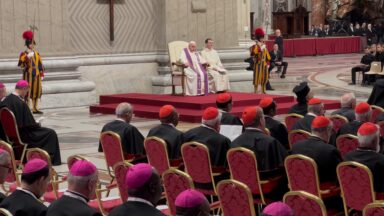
{"x":33,"y":70}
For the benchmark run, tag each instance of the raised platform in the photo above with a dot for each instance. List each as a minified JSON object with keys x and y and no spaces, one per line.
{"x":190,"y":108}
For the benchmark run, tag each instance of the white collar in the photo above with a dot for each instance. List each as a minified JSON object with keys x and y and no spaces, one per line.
{"x":27,"y":192}
{"x":75,"y":195}
{"x":170,"y":124}
{"x":312,"y":114}
{"x":222,"y":111}
{"x":254,"y":129}
{"x":15,"y":93}
{"x":206,"y":126}
{"x":120,"y":119}
{"x":137,"y":199}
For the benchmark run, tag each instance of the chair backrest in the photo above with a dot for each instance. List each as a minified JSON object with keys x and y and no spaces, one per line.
{"x":375,"y":67}
{"x":243,"y":167}
{"x":297,"y":135}
{"x":346,"y":143}
{"x":381,"y":124}
{"x":4,"y":212}
{"x":157,"y":153}
{"x":38,"y":153}
{"x":374,"y":209}
{"x":73,"y":158}
{"x":174,"y":50}
{"x":198,"y":164}
{"x":113,"y":151}
{"x":8,"y":121}
{"x":121,"y":169}
{"x":356,"y":185}
{"x":376,"y":111}
{"x":175,"y":182}
{"x":12,"y":176}
{"x":235,"y":198}
{"x":291,"y":119}
{"x":304,"y":204}
{"x":302,"y":174}
{"x":338,"y":121}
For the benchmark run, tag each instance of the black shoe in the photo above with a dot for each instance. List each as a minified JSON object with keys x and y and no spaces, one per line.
{"x":37,"y":112}
{"x":282,"y":76}
{"x":351,"y":83}
{"x":270,"y":89}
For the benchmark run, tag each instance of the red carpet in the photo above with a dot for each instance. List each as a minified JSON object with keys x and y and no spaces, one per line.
{"x":190,"y":108}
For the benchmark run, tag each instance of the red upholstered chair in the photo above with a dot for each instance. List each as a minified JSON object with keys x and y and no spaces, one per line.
{"x":53,"y":191}
{"x":8,"y":121}
{"x":376,"y":111}
{"x":297,"y":135}
{"x":356,"y":184}
{"x":381,"y":124}
{"x":157,"y":153}
{"x":374,"y":209}
{"x":198,"y":165}
{"x":303,"y":176}
{"x":305,"y":204}
{"x":4,"y":212}
{"x":121,"y":170}
{"x":13,"y":174}
{"x":338,"y":121}
{"x":347,"y":143}
{"x":243,"y":166}
{"x":235,"y":198}
{"x":291,"y":119}
{"x":175,"y":182}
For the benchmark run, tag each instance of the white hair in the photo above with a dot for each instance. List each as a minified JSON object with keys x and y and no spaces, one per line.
{"x":364,"y":117}
{"x":81,"y":180}
{"x":366,"y":141}
{"x":347,"y":100}
{"x":192,"y":42}
{"x":123,"y":108}
{"x":212,"y":122}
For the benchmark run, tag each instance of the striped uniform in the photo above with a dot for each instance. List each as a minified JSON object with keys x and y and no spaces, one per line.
{"x":260,"y":70}
{"x":33,"y":71}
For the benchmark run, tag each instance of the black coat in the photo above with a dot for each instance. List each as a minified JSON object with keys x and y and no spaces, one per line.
{"x":217,"y":144}
{"x":280,"y":42}
{"x":326,"y":156}
{"x":377,"y":94}
{"x":278,"y":130}
{"x":347,"y":112}
{"x":270,"y":154}
{"x":229,"y":119}
{"x":304,"y":123}
{"x":299,"y":108}
{"x":132,"y":140}
{"x":374,"y":161}
{"x":31,"y":132}
{"x":350,"y":128}
{"x":69,"y":206}
{"x":173,"y":137}
{"x":278,"y":57}
{"x":133,"y":208}
{"x":19,"y":203}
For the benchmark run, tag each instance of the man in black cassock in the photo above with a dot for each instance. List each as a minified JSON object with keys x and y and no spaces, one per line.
{"x":304,"y":94}
{"x":167,"y":131}
{"x":24,"y":201}
{"x":368,"y":153}
{"x":276,"y":128}
{"x":315,"y":108}
{"x":31,"y":132}
{"x":348,"y":104}
{"x":326,"y":156}
{"x":144,"y":192}
{"x":365,"y":65}
{"x":231,"y":125}
{"x":208,"y":134}
{"x":363,"y":114}
{"x":277,"y":60}
{"x":132,"y":141}
{"x":82,"y":182}
{"x":270,"y":154}
{"x":377,"y":94}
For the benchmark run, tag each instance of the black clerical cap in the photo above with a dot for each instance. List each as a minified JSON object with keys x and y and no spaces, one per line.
{"x":301,"y":90}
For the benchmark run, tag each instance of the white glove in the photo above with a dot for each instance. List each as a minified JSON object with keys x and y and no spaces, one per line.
{"x":31,"y":54}
{"x":263,"y":47}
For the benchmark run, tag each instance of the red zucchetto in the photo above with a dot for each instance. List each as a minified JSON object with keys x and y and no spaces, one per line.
{"x":249,"y":115}
{"x":314,"y":101}
{"x":367,"y":129}
{"x":166,"y":110}
{"x":210,"y":113}
{"x":266,"y":102}
{"x":362,"y":108}
{"x":223,"y":98}
{"x":320,"y":122}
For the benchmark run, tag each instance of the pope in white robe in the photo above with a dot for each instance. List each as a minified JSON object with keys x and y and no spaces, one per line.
{"x":218,"y":78}
{"x":195,"y":72}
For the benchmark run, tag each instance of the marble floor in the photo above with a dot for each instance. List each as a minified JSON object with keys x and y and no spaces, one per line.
{"x":78,"y":130}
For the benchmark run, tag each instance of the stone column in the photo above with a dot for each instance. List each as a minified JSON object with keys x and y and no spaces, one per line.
{"x":243,"y":20}
{"x":318,"y":11}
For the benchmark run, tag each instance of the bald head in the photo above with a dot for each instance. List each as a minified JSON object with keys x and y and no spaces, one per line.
{"x":348,"y":100}
{"x":192,"y":46}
